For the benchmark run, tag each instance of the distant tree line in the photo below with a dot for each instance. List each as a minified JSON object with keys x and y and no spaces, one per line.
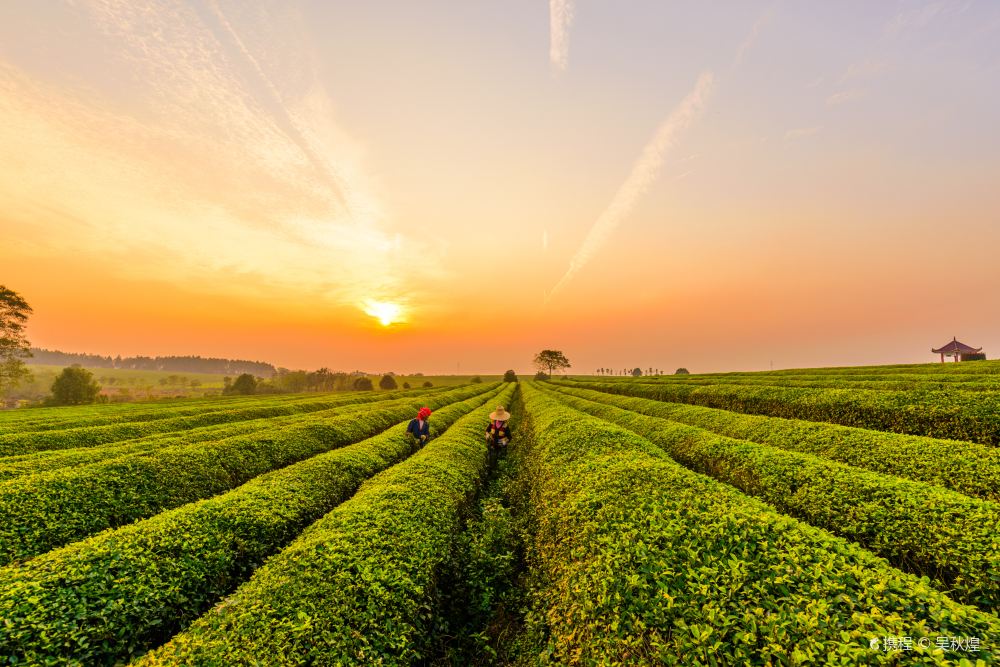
{"x":190,"y":364}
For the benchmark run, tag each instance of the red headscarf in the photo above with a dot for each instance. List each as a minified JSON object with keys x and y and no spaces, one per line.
{"x":423,"y":413}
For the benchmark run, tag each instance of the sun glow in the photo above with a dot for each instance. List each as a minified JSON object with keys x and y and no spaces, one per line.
{"x":386,"y":312}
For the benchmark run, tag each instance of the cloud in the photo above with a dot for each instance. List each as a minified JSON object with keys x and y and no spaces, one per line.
{"x":560,"y":18}
{"x":865,"y":69}
{"x":751,"y":38}
{"x":843,"y":97}
{"x":223,"y":169}
{"x":910,"y":18}
{"x":801,"y":132}
{"x":644,"y":173}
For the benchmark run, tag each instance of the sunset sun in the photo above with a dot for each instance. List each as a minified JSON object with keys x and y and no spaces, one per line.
{"x":386,"y":312}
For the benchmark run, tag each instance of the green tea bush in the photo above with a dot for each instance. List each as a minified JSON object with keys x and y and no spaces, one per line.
{"x":113,"y":596}
{"x":640,"y":561}
{"x":919,"y":528}
{"x":967,"y":467}
{"x":360,"y":586}
{"x":45,"y":511}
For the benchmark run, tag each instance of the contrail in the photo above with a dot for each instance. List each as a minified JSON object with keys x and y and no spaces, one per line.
{"x":644,"y":172}
{"x":560,"y":17}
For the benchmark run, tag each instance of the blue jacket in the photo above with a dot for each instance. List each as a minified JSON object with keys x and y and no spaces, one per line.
{"x":416,"y":431}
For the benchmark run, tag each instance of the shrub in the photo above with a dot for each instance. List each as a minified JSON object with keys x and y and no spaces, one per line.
{"x":42,"y":512}
{"x":363,"y":581}
{"x":510,"y":376}
{"x":109,"y":598}
{"x":682,"y":371}
{"x":244,"y":385}
{"x":963,"y":557}
{"x":74,"y":386}
{"x":363,"y":384}
{"x":387,"y":382}
{"x":972,"y":469}
{"x":541,"y":375}
{"x":640,"y":561}
{"x":427,"y":384}
{"x":476,"y":379}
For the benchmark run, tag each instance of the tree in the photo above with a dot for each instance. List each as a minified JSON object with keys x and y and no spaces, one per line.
{"x":387,"y":382}
{"x":245,"y":384}
{"x":406,"y":385}
{"x":476,"y":380}
{"x":14,"y":346}
{"x":681,"y":371}
{"x":427,"y":384}
{"x":74,"y":386}
{"x":510,"y":376}
{"x":363,"y":384}
{"x":540,"y":375}
{"x":551,"y":360}
{"x":636,"y":372}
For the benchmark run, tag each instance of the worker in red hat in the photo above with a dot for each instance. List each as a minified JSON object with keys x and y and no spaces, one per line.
{"x":419,"y":428}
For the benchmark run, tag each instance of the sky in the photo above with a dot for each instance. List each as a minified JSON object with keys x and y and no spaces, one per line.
{"x":451,"y":187}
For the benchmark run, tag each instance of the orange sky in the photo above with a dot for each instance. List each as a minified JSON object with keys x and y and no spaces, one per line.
{"x":642,"y":186}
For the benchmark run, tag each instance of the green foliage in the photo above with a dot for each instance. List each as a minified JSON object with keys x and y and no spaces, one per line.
{"x":343,"y":592}
{"x":427,"y":384}
{"x":387,"y":382}
{"x":954,"y":415}
{"x":636,"y":372}
{"x":244,"y":385}
{"x":71,"y":432}
{"x":111,"y":597}
{"x":551,"y":361}
{"x":476,"y":379}
{"x":973,"y":356}
{"x":363,"y":384}
{"x":896,"y":517}
{"x":74,"y":386}
{"x":406,"y":385}
{"x":541,"y":375}
{"x":14,"y":345}
{"x":971,"y":468}
{"x":640,"y":561}
{"x":47,"y":510}
{"x":510,"y":376}
{"x":682,"y":371}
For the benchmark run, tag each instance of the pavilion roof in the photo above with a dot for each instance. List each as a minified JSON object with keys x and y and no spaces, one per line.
{"x":956,"y":347}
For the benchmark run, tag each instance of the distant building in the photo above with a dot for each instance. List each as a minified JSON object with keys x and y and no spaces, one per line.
{"x":957,"y":350}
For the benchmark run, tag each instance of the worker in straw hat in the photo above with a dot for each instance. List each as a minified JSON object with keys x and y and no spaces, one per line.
{"x":497,"y":434}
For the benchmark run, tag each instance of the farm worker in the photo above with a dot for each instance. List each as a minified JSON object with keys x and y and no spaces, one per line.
{"x":420,"y":428}
{"x":497,"y":434}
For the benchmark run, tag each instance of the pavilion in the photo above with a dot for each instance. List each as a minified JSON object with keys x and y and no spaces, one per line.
{"x":956,"y":349}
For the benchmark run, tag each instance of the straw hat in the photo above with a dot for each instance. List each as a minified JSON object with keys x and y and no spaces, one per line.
{"x":500,"y":414}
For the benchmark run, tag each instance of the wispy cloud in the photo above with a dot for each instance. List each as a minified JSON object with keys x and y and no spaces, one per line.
{"x":751,"y":38}
{"x":915,"y":16}
{"x":801,"y":132}
{"x":865,"y":69}
{"x":560,"y":18}
{"x":235,"y":166}
{"x":644,"y":173}
{"x":843,"y":97}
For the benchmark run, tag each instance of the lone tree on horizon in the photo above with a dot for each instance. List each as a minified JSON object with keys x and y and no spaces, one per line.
{"x":551,"y":360}
{"x":14,"y":346}
{"x":74,"y":386}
